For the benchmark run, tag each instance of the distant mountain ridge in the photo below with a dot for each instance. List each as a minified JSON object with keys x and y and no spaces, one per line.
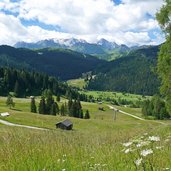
{"x":101,"y":48}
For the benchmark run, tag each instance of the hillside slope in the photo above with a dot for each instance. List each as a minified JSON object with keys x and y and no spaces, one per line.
{"x":133,"y":73}
{"x":65,"y":64}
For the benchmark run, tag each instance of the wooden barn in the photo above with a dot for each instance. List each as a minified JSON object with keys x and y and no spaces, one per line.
{"x":66,"y":125}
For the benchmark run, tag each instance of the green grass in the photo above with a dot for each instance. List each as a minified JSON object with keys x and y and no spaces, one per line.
{"x":104,"y":95}
{"x":78,"y":83}
{"x":94,"y":144}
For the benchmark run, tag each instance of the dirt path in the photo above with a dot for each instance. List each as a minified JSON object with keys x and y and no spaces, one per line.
{"x":18,"y":125}
{"x":113,"y":108}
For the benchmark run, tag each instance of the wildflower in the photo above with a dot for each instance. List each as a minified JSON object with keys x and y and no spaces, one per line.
{"x":127,"y":150}
{"x":63,"y":169}
{"x":143,"y":143}
{"x":167,"y":140}
{"x":146,"y":152}
{"x":159,"y":147}
{"x":138,"y":161}
{"x":146,"y":133}
{"x":153,"y":138}
{"x":127,"y":144}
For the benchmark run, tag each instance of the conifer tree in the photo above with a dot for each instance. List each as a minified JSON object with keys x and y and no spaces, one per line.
{"x":33,"y":105}
{"x":42,"y":106}
{"x":16,"y":89}
{"x":54,"y":109}
{"x":62,"y":110}
{"x":87,"y":115}
{"x":10,"y":102}
{"x":81,"y":115}
{"x":58,"y":98}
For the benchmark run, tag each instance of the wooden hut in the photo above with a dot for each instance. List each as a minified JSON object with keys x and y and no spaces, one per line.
{"x":66,"y":125}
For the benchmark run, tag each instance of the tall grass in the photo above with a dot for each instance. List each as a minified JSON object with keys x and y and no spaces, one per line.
{"x":23,"y":149}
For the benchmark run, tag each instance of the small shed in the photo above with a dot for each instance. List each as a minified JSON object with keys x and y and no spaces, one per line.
{"x":66,"y":125}
{"x":4,"y":114}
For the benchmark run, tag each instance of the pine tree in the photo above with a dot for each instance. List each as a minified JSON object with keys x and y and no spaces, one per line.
{"x":53,"y":110}
{"x":42,"y":106}
{"x":70,"y":107}
{"x":87,"y":115}
{"x":58,"y":98}
{"x":49,"y":100}
{"x":62,"y":110}
{"x":10,"y":102}
{"x":16,"y":89}
{"x":33,"y":106}
{"x":81,"y":115}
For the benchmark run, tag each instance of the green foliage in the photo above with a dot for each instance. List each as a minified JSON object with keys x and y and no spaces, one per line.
{"x":87,"y":115}
{"x":62,"y":110}
{"x":132,"y":73}
{"x":33,"y":105}
{"x":54,"y":109}
{"x":58,"y":98}
{"x":61,"y":63}
{"x":24,"y":83}
{"x":155,"y":107}
{"x":42,"y":106}
{"x":164,"y":60}
{"x":9,"y":101}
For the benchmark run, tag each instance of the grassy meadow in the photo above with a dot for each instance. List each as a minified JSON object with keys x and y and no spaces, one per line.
{"x":100,"y":143}
{"x":78,"y":83}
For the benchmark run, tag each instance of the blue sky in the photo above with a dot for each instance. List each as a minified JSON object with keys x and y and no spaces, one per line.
{"x":130,"y":22}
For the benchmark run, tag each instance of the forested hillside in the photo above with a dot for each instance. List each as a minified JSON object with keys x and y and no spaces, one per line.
{"x":134,"y":73}
{"x":63,"y":64}
{"x":22,"y":83}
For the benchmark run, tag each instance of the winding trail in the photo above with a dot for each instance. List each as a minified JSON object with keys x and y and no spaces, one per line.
{"x":23,"y":126}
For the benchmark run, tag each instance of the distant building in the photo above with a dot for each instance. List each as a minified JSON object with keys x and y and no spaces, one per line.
{"x":101,"y":108}
{"x":4,"y":114}
{"x":66,"y":125}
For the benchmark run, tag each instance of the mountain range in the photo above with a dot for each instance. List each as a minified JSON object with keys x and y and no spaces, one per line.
{"x":133,"y":72}
{"x":103,"y":48}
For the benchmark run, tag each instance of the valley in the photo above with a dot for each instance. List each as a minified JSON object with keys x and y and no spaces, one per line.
{"x":85,"y":85}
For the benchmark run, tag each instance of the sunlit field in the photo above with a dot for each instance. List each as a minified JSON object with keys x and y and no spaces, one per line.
{"x":100,"y":143}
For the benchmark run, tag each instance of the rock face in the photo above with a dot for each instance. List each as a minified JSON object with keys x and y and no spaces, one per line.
{"x":80,"y":45}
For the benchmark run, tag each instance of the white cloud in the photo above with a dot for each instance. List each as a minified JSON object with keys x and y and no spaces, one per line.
{"x":126,"y":23}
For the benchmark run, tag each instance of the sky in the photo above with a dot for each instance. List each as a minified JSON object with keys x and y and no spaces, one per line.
{"x":130,"y":22}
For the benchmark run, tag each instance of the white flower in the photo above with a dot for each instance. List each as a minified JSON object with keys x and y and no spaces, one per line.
{"x":138,"y":161}
{"x":127,"y":144}
{"x":143,"y":143}
{"x":153,"y":138}
{"x":63,"y":169}
{"x":103,"y":165}
{"x":146,"y":152}
{"x":160,"y":147}
{"x":127,"y":150}
{"x":166,"y":140}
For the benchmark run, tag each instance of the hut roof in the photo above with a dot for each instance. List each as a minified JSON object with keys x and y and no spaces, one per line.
{"x":66,"y":122}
